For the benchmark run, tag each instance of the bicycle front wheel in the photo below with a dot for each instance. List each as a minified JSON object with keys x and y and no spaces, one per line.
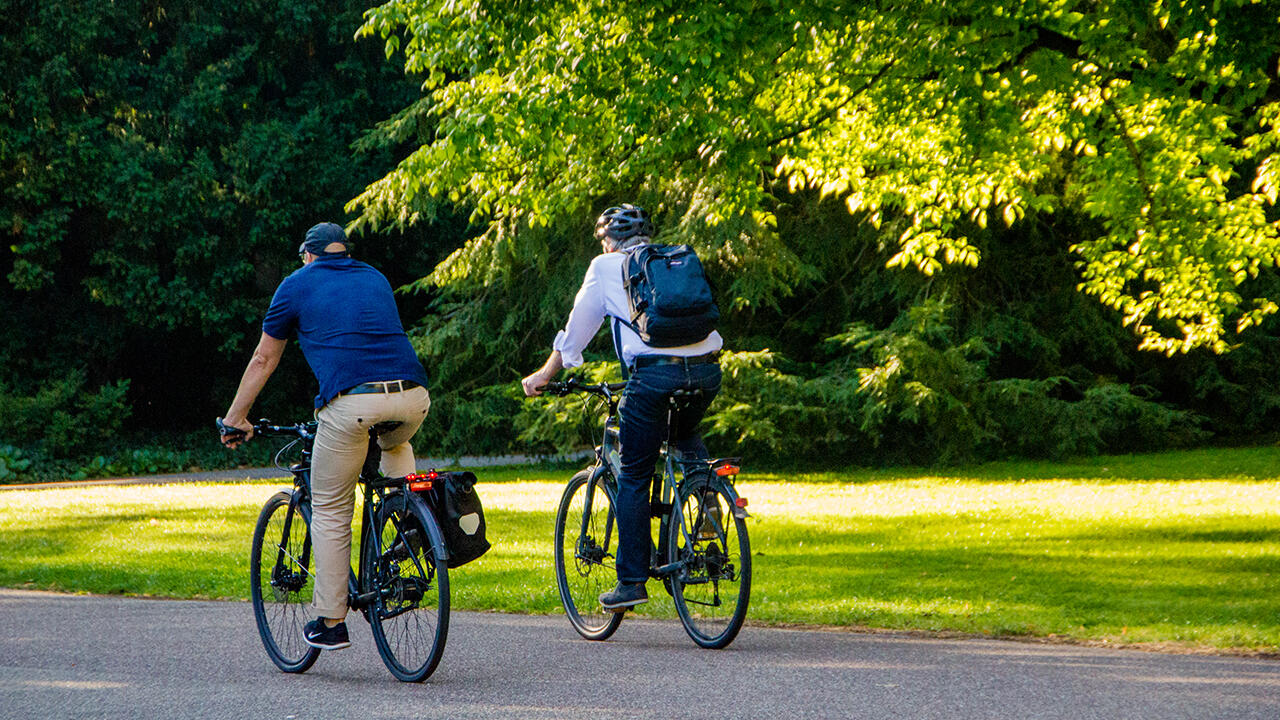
{"x":712,"y":585}
{"x":280,"y":583}
{"x":405,"y":565}
{"x":586,"y":541}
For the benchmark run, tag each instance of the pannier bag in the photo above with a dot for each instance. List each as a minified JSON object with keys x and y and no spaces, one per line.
{"x":457,"y":507}
{"x":669,"y":296}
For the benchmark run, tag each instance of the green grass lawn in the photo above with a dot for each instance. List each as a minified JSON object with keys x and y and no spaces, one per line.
{"x":1179,"y":548}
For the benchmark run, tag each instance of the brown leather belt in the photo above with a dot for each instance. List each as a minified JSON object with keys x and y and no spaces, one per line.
{"x":391,"y":386}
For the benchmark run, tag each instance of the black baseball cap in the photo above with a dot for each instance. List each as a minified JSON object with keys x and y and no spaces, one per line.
{"x":321,"y":236}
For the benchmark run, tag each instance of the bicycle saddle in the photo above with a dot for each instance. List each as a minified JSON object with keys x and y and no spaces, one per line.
{"x":384,"y":427}
{"x":680,"y":399}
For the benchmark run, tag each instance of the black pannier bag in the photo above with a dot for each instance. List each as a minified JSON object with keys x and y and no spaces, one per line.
{"x":456,"y":504}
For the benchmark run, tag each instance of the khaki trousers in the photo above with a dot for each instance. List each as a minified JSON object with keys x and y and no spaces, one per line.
{"x":342,"y":440}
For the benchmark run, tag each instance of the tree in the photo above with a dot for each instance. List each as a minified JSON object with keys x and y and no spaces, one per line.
{"x":931,"y":121}
{"x":159,"y":164}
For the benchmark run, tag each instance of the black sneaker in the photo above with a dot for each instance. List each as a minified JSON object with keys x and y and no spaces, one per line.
{"x":623,"y":596}
{"x":318,"y":635}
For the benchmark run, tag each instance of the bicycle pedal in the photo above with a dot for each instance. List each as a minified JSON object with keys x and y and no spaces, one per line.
{"x":667,"y":569}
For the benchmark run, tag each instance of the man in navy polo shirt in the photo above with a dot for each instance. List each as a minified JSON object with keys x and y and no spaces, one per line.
{"x":344,"y":316}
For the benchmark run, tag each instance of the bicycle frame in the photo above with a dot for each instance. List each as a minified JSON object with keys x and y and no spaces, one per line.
{"x":706,"y":546}
{"x":663,"y":487}
{"x":374,"y":486}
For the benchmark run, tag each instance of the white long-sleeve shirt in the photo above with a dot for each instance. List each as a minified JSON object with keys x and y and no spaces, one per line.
{"x":601,"y":296}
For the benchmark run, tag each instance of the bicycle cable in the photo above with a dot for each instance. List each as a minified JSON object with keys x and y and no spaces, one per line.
{"x":281,"y":452}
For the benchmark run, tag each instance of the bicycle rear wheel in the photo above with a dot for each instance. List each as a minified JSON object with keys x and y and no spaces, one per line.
{"x":280,"y":583}
{"x":712,"y":588}
{"x":405,"y":563}
{"x":586,"y":541}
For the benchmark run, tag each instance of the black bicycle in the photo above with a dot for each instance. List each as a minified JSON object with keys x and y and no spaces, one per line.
{"x":401,"y":582}
{"x":702,"y":554}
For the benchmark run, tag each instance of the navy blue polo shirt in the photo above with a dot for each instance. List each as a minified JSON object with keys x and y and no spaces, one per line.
{"x":344,"y":315}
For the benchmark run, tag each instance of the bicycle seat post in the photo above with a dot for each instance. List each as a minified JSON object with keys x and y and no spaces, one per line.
{"x":373,"y":458}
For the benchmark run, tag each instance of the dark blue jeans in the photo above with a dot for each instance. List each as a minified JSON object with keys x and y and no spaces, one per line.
{"x":643,"y":414}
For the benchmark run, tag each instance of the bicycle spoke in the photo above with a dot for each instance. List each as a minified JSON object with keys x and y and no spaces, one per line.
{"x":584,"y":555}
{"x":410,"y":611}
{"x":712,"y":585}
{"x":280,"y":585}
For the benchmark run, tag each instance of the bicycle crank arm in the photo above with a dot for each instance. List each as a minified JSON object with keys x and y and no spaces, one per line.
{"x":362,"y":600}
{"x":667,"y":570}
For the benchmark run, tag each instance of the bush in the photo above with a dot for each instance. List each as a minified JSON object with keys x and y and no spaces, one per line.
{"x":62,"y":419}
{"x":14,"y":465}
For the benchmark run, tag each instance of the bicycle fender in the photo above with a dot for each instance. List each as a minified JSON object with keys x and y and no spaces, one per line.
{"x":433,"y":530}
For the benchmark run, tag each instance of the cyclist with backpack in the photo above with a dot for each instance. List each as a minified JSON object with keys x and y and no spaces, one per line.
{"x":663,"y":325}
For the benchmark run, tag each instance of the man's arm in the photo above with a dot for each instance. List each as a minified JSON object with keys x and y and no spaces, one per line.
{"x":264,"y":361}
{"x":534,"y":383}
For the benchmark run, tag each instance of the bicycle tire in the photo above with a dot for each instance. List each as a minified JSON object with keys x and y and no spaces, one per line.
{"x":409,"y":615}
{"x":712,"y":588}
{"x":280,"y":583}
{"x":592,"y":571}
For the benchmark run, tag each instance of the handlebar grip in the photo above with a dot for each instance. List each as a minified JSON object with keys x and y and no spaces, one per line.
{"x":228,"y":431}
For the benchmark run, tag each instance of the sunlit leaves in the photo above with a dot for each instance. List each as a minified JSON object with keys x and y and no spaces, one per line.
{"x":933,"y":120}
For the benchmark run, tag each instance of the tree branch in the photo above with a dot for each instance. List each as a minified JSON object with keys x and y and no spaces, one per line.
{"x":830,"y":112}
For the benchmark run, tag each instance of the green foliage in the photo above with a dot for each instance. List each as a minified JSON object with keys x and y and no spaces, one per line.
{"x":765,"y":412}
{"x":570,"y":422}
{"x":921,"y":376}
{"x":158,"y":167}
{"x":64,"y":418}
{"x":14,"y":464}
{"x":931,"y":120}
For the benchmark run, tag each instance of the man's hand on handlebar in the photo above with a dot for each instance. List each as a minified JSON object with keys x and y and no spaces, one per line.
{"x":535,"y":384}
{"x":234,"y":432}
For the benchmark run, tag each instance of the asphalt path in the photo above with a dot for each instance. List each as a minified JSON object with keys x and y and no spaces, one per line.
{"x":70,"y":656}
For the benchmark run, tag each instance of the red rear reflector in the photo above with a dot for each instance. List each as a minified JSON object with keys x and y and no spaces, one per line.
{"x":420,"y":485}
{"x":740,"y":502}
{"x":727,"y":470}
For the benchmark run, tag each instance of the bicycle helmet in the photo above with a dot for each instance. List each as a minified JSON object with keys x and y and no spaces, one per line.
{"x":620,"y":223}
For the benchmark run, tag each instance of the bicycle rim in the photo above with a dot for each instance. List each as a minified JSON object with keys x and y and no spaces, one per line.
{"x":410,"y":614}
{"x":586,"y":543}
{"x":280,"y":584}
{"x":713,"y":586}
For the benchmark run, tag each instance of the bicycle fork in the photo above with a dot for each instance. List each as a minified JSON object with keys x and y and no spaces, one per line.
{"x":282,"y":578}
{"x":587,"y":548}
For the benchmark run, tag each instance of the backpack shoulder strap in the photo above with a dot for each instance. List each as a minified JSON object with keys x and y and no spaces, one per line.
{"x":617,"y":348}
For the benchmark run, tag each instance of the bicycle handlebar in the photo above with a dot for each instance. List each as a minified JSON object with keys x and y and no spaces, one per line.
{"x":575,"y":384}
{"x":265,"y":428}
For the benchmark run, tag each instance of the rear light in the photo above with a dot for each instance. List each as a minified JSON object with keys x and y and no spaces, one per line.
{"x":723,"y":470}
{"x":421,"y":481}
{"x":740,"y":502}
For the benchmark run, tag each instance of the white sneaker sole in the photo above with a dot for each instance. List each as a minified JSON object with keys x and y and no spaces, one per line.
{"x":318,"y":646}
{"x":623,"y":607}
